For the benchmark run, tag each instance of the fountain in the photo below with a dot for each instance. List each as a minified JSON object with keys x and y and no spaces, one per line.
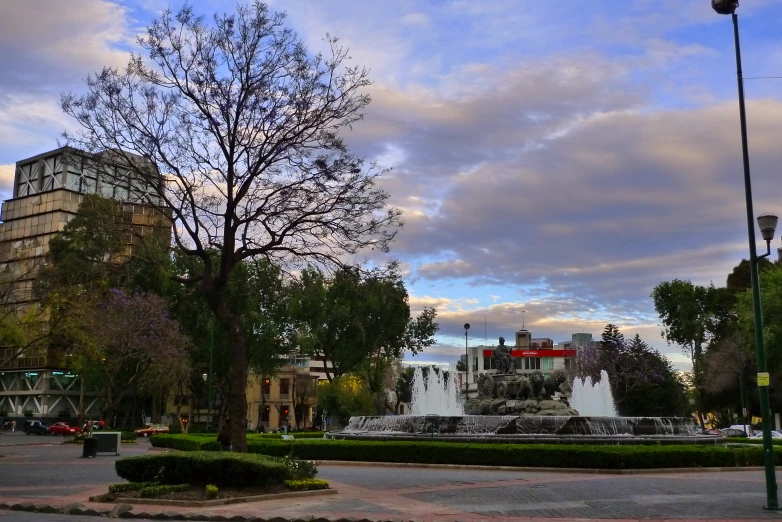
{"x":593,"y":399}
{"x":440,"y":396}
{"x":520,"y":408}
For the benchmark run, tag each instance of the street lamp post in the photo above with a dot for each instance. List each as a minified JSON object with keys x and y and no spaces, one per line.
{"x":466,"y":364}
{"x":767,"y":225}
{"x":209,"y":385}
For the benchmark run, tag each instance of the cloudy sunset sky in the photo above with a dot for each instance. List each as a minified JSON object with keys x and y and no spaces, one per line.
{"x":560,"y":157}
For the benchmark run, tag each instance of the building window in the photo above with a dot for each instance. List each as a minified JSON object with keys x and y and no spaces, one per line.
{"x":488,"y":363}
{"x":28,"y":179}
{"x":285,"y":385}
{"x":265,"y":414}
{"x":567,"y":364}
{"x":532,"y":363}
{"x":266,"y":386}
{"x":547,"y":363}
{"x":475,"y":364}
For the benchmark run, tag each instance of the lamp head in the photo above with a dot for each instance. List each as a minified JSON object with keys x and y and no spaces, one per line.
{"x":204,"y":376}
{"x":466,"y":326}
{"x":767,"y":224}
{"x":724,"y":7}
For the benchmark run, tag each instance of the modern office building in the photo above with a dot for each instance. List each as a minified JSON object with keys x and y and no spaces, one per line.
{"x":47,"y":191}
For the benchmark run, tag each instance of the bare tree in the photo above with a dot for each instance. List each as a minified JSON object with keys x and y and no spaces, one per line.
{"x":245,"y":126}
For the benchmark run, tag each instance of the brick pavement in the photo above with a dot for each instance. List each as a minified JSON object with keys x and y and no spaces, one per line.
{"x":56,"y":475}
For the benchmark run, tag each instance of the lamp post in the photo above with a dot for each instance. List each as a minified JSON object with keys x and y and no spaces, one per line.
{"x":767,"y":224}
{"x":466,"y":364}
{"x":209,"y":385}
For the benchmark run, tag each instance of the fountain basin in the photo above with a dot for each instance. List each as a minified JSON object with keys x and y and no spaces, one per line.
{"x":525,"y":429}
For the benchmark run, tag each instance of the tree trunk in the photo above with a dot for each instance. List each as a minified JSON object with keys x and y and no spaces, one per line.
{"x":155,"y":409}
{"x":82,"y":395}
{"x":189,"y":412}
{"x":237,"y":398}
{"x":697,"y":384}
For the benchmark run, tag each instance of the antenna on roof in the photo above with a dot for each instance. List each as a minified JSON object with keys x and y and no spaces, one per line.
{"x":522,"y":318}
{"x":485,"y":335}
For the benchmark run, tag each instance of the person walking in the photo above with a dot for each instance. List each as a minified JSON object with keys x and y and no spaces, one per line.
{"x":13,"y":426}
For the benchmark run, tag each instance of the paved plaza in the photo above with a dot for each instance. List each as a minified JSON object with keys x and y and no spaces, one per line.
{"x":54,"y":473}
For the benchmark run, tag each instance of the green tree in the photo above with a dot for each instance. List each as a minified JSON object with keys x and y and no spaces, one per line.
{"x":739,"y":279}
{"x":649,"y":385}
{"x":771,"y":305}
{"x":359,"y":323}
{"x":345,"y":397}
{"x":690,"y":315}
{"x":259,"y":293}
{"x":246,"y":126}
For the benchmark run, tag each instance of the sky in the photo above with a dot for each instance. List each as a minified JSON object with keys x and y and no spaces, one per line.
{"x":559,"y":158}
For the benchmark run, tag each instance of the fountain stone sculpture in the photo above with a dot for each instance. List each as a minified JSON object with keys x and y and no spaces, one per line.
{"x":518,"y":408}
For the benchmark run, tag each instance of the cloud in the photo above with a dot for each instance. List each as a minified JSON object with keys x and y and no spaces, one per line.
{"x":46,"y":43}
{"x":7,"y":179}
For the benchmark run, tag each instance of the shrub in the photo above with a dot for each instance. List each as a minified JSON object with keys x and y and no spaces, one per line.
{"x":211,"y":491}
{"x":180,"y":442}
{"x":156,"y":491}
{"x":306,"y":484}
{"x":218,"y":468}
{"x":129,"y":436}
{"x":299,"y":469}
{"x":130,"y":486}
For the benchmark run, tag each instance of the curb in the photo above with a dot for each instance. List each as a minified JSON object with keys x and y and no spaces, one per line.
{"x":126,"y":511}
{"x":220,"y":502}
{"x":534,"y":469}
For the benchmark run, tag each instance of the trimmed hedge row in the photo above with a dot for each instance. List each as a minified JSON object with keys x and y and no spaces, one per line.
{"x":220,"y":469}
{"x":538,"y":455}
{"x":306,"y":484}
{"x":156,"y":491}
{"x":745,"y":440}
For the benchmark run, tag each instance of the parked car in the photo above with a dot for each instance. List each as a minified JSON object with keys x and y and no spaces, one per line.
{"x":63,"y":428}
{"x":152,"y":429}
{"x":746,"y":428}
{"x":775,"y":434}
{"x":733,"y":432}
{"x":37,"y":427}
{"x":710,"y":431}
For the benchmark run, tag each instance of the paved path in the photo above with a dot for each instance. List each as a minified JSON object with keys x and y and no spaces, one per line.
{"x":56,"y":474}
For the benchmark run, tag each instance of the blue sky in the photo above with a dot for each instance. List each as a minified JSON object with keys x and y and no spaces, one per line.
{"x":557,"y":157}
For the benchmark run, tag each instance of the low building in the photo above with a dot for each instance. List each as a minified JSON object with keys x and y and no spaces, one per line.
{"x":287,"y":399}
{"x":529,"y":355}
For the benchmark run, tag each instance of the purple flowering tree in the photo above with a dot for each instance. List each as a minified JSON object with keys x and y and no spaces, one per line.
{"x":128,"y":343}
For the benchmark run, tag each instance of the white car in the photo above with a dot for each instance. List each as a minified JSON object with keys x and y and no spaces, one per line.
{"x":775,"y":434}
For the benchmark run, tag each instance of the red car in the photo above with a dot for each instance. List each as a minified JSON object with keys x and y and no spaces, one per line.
{"x":63,"y":428}
{"x":152,"y":429}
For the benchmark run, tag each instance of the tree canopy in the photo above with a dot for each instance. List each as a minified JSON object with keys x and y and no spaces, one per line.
{"x":245,"y":125}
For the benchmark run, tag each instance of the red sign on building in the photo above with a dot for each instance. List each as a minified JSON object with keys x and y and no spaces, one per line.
{"x":535,"y":353}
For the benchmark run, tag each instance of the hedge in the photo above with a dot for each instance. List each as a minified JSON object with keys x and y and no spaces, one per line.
{"x":157,"y":490}
{"x":205,"y":441}
{"x":746,"y":440}
{"x":202,"y":468}
{"x":306,"y":484}
{"x":537,"y":455}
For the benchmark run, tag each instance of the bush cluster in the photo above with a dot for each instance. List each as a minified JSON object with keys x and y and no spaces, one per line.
{"x":211,"y":491}
{"x":130,"y":486}
{"x":129,"y":436}
{"x":218,"y":468}
{"x":156,"y":491}
{"x":306,"y":484}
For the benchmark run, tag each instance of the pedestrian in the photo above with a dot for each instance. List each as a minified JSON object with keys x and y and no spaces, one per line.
{"x":224,"y":438}
{"x":13,"y":426}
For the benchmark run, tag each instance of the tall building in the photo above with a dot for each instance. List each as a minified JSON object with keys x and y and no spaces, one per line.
{"x":47,"y":191}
